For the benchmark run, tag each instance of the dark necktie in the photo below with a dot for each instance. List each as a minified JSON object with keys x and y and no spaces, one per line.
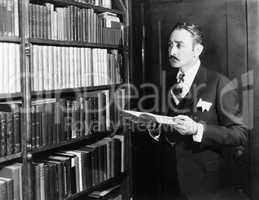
{"x":178,"y":89}
{"x":181,"y":77}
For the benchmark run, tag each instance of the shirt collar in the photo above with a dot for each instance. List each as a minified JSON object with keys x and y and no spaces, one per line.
{"x":189,"y":78}
{"x":190,"y":73}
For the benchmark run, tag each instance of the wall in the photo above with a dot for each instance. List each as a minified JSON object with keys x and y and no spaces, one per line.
{"x":253,"y":65}
{"x":231,"y":29}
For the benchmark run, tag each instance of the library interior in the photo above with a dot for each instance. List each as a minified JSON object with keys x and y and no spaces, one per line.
{"x":129,"y":99}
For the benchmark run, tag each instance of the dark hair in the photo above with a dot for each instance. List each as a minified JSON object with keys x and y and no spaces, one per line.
{"x":191,"y":28}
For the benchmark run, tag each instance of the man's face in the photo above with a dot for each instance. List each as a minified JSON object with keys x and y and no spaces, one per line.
{"x":181,"y":49}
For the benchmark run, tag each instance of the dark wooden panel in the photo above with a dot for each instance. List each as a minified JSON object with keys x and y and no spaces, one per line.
{"x":210,"y":15}
{"x":225,"y":27}
{"x":237,"y":38}
{"x":231,"y":47}
{"x":253,"y":63}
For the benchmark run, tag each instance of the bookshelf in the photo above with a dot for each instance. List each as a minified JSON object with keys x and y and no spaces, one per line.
{"x":87,"y":5}
{"x":11,"y":39}
{"x":65,"y":78}
{"x":74,"y":44}
{"x":10,"y":157}
{"x":105,"y":183}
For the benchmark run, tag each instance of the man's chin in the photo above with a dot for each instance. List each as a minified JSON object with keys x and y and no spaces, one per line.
{"x":174,"y":65}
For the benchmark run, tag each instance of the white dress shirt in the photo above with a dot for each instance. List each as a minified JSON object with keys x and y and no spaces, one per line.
{"x":188,"y":79}
{"x":189,"y":76}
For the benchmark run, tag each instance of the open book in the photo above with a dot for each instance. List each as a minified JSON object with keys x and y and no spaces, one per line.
{"x":162,"y":119}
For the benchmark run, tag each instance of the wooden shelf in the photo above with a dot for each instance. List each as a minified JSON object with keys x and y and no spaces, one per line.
{"x":93,"y":136}
{"x":72,"y":43}
{"x":60,"y":92}
{"x":115,"y":180}
{"x":85,"y":5}
{"x":8,"y":97}
{"x":26,"y":96}
{"x":10,"y":157}
{"x":11,"y":39}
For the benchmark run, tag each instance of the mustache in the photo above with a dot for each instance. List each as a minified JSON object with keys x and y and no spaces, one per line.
{"x":173,"y":57}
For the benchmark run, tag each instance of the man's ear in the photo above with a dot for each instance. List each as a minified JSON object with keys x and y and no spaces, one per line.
{"x":198,"y":48}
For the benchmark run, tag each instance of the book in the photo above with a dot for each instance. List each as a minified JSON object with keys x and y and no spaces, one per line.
{"x":58,"y":183}
{"x":14,"y":172}
{"x":66,"y":172}
{"x":10,"y":121}
{"x":74,"y":170}
{"x":122,"y":142}
{"x":8,"y":187}
{"x":135,"y":116}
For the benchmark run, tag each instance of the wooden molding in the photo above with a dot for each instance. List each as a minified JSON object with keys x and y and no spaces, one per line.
{"x":120,"y":5}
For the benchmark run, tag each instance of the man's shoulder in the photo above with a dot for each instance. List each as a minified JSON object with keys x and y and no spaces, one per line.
{"x":214,"y":75}
{"x":216,"y":78}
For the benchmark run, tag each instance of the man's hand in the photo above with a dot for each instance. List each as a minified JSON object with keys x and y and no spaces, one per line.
{"x":152,"y":126}
{"x":185,"y":125}
{"x":148,"y":121}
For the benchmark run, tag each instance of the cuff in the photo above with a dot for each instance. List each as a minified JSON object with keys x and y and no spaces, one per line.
{"x":198,"y":136}
{"x":154,"y":133}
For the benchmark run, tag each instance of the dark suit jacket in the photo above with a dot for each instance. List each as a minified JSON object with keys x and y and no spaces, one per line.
{"x":200,"y":166}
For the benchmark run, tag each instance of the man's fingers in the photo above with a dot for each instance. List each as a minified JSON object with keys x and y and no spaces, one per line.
{"x":179,"y":121}
{"x":179,"y":127}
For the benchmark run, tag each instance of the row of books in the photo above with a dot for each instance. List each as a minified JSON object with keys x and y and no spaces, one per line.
{"x":10,"y":81}
{"x":55,"y":121}
{"x":10,"y":129}
{"x":71,"y":67}
{"x":11,"y":182}
{"x":58,"y":120}
{"x":9,"y":18}
{"x":120,"y":101}
{"x":102,"y":3}
{"x":64,"y":173}
{"x":74,"y":24}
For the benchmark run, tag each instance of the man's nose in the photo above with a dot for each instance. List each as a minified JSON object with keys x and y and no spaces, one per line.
{"x":172,"y":50}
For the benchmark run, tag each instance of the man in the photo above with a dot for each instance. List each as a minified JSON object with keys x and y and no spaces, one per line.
{"x":206,"y":112}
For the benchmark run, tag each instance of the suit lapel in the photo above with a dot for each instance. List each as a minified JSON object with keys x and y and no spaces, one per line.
{"x":196,"y":90}
{"x":199,"y":82}
{"x":201,"y":76}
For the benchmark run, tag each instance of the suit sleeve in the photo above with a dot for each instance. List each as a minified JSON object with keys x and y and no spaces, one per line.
{"x":230,"y":129}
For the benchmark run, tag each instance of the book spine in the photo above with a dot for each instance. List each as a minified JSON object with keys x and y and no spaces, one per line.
{"x":64,"y":68}
{"x":37,"y":179}
{"x":88,"y":168}
{"x":10,"y":188}
{"x":68,"y":178}
{"x":3,"y":133}
{"x":55,"y":67}
{"x":44,"y":125}
{"x":17,"y":129}
{"x":33,"y":126}
{"x":68,"y":120}
{"x":10,"y":133}
{"x":38,"y":127}
{"x":51,"y":67}
{"x":57,"y":124}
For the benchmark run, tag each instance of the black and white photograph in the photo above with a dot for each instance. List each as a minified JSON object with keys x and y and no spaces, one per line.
{"x":129,"y":99}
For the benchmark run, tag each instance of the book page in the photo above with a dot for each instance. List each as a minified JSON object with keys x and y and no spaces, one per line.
{"x":162,"y":119}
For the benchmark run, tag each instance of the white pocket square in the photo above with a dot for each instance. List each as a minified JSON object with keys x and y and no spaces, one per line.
{"x":204,"y":105}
